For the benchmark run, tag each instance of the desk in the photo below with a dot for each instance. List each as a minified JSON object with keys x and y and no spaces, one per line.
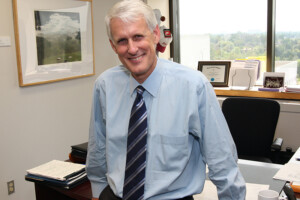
{"x":296,"y":155}
{"x":253,"y":172}
{"x":293,"y":160}
{"x":46,"y":192}
{"x":261,"y":173}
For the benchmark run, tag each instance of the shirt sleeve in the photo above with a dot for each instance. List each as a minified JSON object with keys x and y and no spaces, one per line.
{"x":218,"y":148}
{"x":96,"y":161}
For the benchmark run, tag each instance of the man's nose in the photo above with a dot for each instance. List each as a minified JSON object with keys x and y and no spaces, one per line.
{"x":132,"y":47}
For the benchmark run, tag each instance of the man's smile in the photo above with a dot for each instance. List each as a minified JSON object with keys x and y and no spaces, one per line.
{"x":136,"y":58}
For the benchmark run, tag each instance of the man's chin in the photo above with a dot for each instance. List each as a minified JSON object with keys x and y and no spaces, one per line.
{"x":135,"y":68}
{"x":137,"y":73}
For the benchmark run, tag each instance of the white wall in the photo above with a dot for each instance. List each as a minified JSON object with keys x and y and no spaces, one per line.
{"x":288,"y":125}
{"x":40,"y":123}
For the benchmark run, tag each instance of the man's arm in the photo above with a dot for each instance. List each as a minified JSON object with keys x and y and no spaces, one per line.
{"x":218,"y":148}
{"x":96,"y":158}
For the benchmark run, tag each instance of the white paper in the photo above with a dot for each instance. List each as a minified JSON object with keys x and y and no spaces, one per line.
{"x":244,"y":77}
{"x":210,"y":191}
{"x":289,"y":172}
{"x":56,"y":169}
{"x":244,"y":73}
{"x":214,"y":73}
{"x":296,"y":156}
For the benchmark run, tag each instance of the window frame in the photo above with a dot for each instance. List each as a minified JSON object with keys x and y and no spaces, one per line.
{"x":270,"y":53}
{"x":175,"y":27}
{"x":271,"y":35}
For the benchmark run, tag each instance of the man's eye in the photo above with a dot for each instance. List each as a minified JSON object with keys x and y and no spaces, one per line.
{"x":122,"y":41}
{"x":138,"y":37}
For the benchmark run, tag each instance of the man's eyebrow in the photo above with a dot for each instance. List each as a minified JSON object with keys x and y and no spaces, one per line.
{"x":139,"y":34}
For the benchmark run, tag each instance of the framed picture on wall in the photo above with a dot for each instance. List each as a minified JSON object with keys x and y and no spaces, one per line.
{"x":217,"y":72}
{"x":54,"y":40}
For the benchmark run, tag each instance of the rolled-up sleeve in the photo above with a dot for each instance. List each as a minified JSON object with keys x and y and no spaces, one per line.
{"x":218,"y":148}
{"x":96,"y":158}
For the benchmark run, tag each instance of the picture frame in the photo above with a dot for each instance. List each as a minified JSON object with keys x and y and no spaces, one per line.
{"x":273,"y":79}
{"x":217,"y":72}
{"x":54,"y":40}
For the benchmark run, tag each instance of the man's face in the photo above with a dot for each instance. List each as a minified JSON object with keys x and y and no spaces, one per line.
{"x":135,"y":45}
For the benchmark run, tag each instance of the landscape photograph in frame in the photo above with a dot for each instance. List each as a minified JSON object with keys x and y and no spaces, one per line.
{"x":58,"y":37}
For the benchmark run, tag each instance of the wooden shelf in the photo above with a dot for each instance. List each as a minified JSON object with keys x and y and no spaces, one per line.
{"x":255,"y":93}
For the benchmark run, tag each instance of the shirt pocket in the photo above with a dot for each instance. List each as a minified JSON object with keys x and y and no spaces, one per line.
{"x":170,"y":153}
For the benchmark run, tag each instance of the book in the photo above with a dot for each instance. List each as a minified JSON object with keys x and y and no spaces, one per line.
{"x":78,"y":153}
{"x":80,"y":147}
{"x":269,"y":89}
{"x":58,"y":173}
{"x":59,"y":170}
{"x":67,"y":184}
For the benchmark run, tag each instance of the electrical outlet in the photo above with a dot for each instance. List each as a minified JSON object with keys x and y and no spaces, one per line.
{"x":11,"y":187}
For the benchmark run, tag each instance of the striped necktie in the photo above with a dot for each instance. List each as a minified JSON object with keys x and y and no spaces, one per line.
{"x":136,"y":150}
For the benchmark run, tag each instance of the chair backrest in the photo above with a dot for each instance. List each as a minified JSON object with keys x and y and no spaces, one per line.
{"x":252,"y":122}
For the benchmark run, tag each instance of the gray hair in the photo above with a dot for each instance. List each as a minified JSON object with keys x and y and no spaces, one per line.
{"x":130,"y":11}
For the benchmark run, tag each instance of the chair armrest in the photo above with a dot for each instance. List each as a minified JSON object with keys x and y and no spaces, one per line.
{"x":277,"y":144}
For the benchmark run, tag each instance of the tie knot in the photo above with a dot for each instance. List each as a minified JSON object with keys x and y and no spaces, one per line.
{"x":140,"y":89}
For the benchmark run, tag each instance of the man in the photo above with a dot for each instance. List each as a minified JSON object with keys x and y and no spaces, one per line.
{"x":181,"y":124}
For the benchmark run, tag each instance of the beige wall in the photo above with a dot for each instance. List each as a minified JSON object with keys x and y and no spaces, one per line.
{"x":40,"y":123}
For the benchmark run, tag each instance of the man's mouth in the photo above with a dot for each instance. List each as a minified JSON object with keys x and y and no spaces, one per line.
{"x":136,"y":58}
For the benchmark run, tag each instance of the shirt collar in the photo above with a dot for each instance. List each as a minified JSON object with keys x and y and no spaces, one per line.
{"x":152,"y":83}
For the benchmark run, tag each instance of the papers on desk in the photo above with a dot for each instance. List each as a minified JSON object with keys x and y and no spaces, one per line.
{"x":293,"y":88}
{"x":289,"y":172}
{"x":243,"y":74}
{"x":210,"y":191}
{"x":58,"y":173}
{"x":56,"y":169}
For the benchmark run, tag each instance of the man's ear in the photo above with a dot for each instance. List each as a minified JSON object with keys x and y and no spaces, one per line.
{"x":113,"y":46}
{"x":156,"y":33}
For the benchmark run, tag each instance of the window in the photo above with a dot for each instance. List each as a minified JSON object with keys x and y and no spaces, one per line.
{"x":287,"y":40}
{"x":238,"y":30}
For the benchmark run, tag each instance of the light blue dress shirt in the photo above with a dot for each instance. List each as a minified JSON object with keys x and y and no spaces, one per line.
{"x":186,"y":131}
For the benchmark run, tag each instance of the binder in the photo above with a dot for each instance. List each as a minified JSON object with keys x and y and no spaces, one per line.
{"x":58,"y":173}
{"x":78,"y":153}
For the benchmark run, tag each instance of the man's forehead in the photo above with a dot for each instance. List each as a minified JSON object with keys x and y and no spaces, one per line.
{"x":128,"y":21}
{"x":119,"y":28}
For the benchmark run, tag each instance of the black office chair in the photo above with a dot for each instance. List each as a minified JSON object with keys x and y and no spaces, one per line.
{"x":252,"y":122}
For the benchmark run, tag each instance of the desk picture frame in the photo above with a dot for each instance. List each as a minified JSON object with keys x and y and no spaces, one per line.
{"x":273,"y":79}
{"x":54,"y":40}
{"x":217,"y":72}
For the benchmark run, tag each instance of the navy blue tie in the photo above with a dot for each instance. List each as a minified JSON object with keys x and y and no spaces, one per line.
{"x":136,"y":150}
